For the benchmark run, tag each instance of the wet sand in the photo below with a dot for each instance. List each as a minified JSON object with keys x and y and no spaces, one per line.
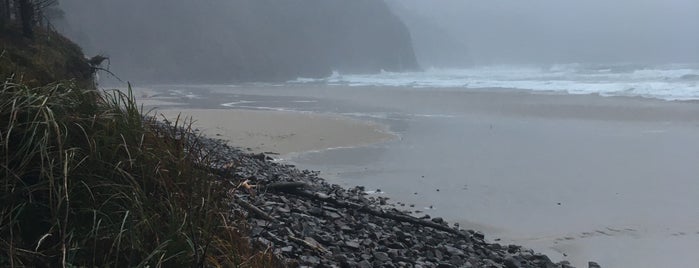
{"x":281,"y":132}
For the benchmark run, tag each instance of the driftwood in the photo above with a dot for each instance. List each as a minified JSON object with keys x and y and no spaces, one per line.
{"x":255,"y":210}
{"x":366,"y":209}
{"x":309,"y":243}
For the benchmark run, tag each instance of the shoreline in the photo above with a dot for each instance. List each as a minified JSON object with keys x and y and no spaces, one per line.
{"x":281,"y":133}
{"x":308,"y":222}
{"x":524,"y":153}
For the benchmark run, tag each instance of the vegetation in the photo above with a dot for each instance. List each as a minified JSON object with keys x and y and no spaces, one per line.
{"x":47,"y":58}
{"x":86,"y":181}
{"x":89,"y":180}
{"x":27,"y":13}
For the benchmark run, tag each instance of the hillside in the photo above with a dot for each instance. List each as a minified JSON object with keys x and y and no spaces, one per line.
{"x":48,"y":58}
{"x":240,"y":40}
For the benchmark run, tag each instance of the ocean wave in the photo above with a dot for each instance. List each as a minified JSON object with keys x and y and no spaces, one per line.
{"x":667,"y":82}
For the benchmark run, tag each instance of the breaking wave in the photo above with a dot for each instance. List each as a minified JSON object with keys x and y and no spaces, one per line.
{"x":667,"y":82}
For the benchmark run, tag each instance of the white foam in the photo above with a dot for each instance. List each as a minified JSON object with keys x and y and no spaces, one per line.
{"x":667,"y":82}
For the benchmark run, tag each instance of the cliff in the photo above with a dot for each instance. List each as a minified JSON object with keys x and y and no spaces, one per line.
{"x":240,"y":40}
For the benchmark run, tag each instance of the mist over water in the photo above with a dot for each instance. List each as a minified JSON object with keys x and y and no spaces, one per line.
{"x":458,"y":33}
{"x":667,"y":82}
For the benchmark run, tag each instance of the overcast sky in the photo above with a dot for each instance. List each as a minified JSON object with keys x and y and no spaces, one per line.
{"x":557,"y":31}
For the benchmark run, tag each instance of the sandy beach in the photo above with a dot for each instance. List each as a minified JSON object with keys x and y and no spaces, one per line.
{"x":577,"y":177}
{"x":281,"y":132}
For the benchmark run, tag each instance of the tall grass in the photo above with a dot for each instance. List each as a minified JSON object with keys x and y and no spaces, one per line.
{"x":87,"y":181}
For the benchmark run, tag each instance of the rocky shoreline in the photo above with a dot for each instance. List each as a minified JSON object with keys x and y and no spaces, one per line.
{"x":308,"y":222}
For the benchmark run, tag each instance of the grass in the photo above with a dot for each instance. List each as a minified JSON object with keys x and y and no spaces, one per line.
{"x":87,"y":181}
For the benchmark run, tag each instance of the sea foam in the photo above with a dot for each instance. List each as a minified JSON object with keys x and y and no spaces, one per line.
{"x":667,"y":82}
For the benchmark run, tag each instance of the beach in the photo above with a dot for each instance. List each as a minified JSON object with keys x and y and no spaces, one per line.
{"x":281,"y":133}
{"x":577,"y":177}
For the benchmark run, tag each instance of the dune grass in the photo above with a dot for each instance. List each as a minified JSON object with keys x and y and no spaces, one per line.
{"x":87,"y":181}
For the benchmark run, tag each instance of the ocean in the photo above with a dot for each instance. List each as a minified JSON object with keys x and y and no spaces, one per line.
{"x":666,"y":82}
{"x":581,"y":162}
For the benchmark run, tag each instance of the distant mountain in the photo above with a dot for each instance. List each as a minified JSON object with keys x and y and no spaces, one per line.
{"x":240,"y":40}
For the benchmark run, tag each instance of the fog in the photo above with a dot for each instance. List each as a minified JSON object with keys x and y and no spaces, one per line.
{"x":464,"y":32}
{"x":272,"y":40}
{"x":240,"y":40}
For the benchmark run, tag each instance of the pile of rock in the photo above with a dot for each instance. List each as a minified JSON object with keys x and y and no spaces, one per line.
{"x":310,"y":223}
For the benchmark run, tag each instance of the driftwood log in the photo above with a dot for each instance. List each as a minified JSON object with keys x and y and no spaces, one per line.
{"x":255,"y":210}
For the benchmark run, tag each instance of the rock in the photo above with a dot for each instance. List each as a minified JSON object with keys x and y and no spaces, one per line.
{"x":438,"y":220}
{"x":454,"y":251}
{"x":513,"y":249}
{"x":352,"y":238}
{"x":381,"y":256}
{"x":593,"y":265}
{"x":310,"y":259}
{"x":365,"y":264}
{"x":352,"y":244}
{"x":512,"y":263}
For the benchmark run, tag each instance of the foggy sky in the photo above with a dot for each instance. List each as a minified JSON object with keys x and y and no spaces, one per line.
{"x":552,"y":31}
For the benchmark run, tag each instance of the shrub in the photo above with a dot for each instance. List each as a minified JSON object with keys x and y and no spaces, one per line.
{"x":89,"y":180}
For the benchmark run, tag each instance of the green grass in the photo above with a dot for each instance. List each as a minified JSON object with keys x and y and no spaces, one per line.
{"x":87,"y":181}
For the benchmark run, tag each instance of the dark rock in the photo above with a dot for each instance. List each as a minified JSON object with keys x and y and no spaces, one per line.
{"x":593,"y":265}
{"x":513,"y":249}
{"x":454,"y":251}
{"x":365,"y":264}
{"x":352,"y":244}
{"x":381,"y":256}
{"x":512,"y":263}
{"x":310,"y":259}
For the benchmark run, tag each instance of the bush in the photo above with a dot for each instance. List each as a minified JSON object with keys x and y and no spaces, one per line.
{"x":88,"y":180}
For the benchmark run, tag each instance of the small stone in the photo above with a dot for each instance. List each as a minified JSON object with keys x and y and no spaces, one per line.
{"x":512,"y":249}
{"x":352,"y":244}
{"x":310,"y":259}
{"x":365,"y":264}
{"x":454,"y":251}
{"x":438,"y":220}
{"x":381,"y":256}
{"x":512,"y":263}
{"x":593,"y":265}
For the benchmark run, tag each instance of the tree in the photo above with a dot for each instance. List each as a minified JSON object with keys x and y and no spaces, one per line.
{"x":4,"y":13}
{"x":27,"y":13}
{"x":27,"y":17}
